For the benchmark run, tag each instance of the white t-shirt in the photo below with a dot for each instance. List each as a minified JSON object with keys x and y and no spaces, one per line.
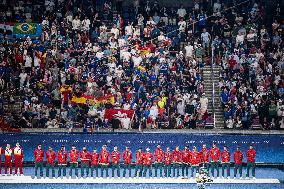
{"x":86,"y":25}
{"x":115,"y":31}
{"x":188,"y":50}
{"x":205,"y":36}
{"x":76,"y":23}
{"x":182,"y":25}
{"x":129,"y":30}
{"x":136,"y":60}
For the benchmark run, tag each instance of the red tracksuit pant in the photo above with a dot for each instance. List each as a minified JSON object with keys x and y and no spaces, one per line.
{"x":18,"y":165}
{"x":8,"y":164}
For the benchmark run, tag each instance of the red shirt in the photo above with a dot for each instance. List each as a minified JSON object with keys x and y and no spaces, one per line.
{"x":95,"y":158}
{"x":215,"y":154}
{"x":74,"y":154}
{"x":115,"y":157}
{"x":62,"y":157}
{"x":176,"y":156}
{"x":50,"y":156}
{"x":195,"y":158}
{"x":18,"y":153}
{"x":238,"y":157}
{"x":127,"y":157}
{"x":85,"y":156}
{"x":185,"y":156}
{"x":204,"y":155}
{"x":104,"y":157}
{"x":38,"y":154}
{"x":147,"y":159}
{"x":251,"y":153}
{"x":226,"y":156}
{"x":139,"y":158}
{"x":159,"y":155}
{"x":168,"y":158}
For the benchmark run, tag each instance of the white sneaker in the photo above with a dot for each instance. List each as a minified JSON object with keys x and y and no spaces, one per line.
{"x":217,"y":177}
{"x":253,"y":178}
{"x":222,"y":177}
{"x":21,"y":175}
{"x":235,"y":178}
{"x":53,"y":177}
{"x":228,"y":177}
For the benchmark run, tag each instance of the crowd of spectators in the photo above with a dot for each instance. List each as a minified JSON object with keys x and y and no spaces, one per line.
{"x":148,"y":57}
{"x":252,"y":61}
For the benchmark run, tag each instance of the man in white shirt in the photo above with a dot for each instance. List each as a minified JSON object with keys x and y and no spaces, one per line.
{"x":129,"y":29}
{"x":188,"y":50}
{"x":86,"y":24}
{"x":181,"y":12}
{"x":76,"y":23}
{"x":205,"y":37}
{"x":182,"y":25}
{"x":137,"y":60}
{"x":115,"y":31}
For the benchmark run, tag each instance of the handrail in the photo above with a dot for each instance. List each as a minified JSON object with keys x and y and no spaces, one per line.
{"x":213,"y":84}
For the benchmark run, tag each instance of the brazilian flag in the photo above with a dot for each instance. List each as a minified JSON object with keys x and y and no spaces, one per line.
{"x":25,"y":28}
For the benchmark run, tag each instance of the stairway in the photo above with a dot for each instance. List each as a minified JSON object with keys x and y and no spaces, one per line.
{"x":208,"y":89}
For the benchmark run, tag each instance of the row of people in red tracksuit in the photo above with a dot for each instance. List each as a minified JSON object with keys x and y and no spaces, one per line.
{"x":167,"y":162}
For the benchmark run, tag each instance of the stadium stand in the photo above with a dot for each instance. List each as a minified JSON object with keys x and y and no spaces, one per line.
{"x":101,"y":64}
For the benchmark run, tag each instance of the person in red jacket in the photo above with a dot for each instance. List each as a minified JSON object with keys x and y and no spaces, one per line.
{"x":226,"y":156}
{"x":95,"y":163}
{"x":139,"y":163}
{"x":104,"y":160}
{"x":238,"y":160}
{"x":204,"y":157}
{"x":39,"y":155}
{"x":176,"y":161}
{"x":147,"y":162}
{"x":74,"y":155}
{"x":251,"y":153}
{"x":194,"y":160}
{"x":85,"y":157}
{"x":215,"y":155}
{"x":168,"y":158}
{"x":115,"y":159}
{"x":18,"y":156}
{"x":62,"y":161}
{"x":8,"y":159}
{"x":185,"y":156}
{"x":50,"y":159}
{"x":127,"y":160}
{"x":158,"y":160}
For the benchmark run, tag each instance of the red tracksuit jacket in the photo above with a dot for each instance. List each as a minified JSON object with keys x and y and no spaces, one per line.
{"x":176,"y":156}
{"x":251,"y":153}
{"x":185,"y":156}
{"x":95,"y":158}
{"x":215,"y":154}
{"x":50,"y":156}
{"x":238,"y":157}
{"x":18,"y":153}
{"x":139,"y":158}
{"x":147,"y":159}
{"x":204,"y":155}
{"x":168,"y":158}
{"x":226,"y":156}
{"x":85,"y":156}
{"x":74,"y":155}
{"x":8,"y":154}
{"x":104,"y":157}
{"x":39,"y":155}
{"x":159,"y":155}
{"x":62,"y":157}
{"x":127,"y":157}
{"x":115,"y":157}
{"x":194,"y":158}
